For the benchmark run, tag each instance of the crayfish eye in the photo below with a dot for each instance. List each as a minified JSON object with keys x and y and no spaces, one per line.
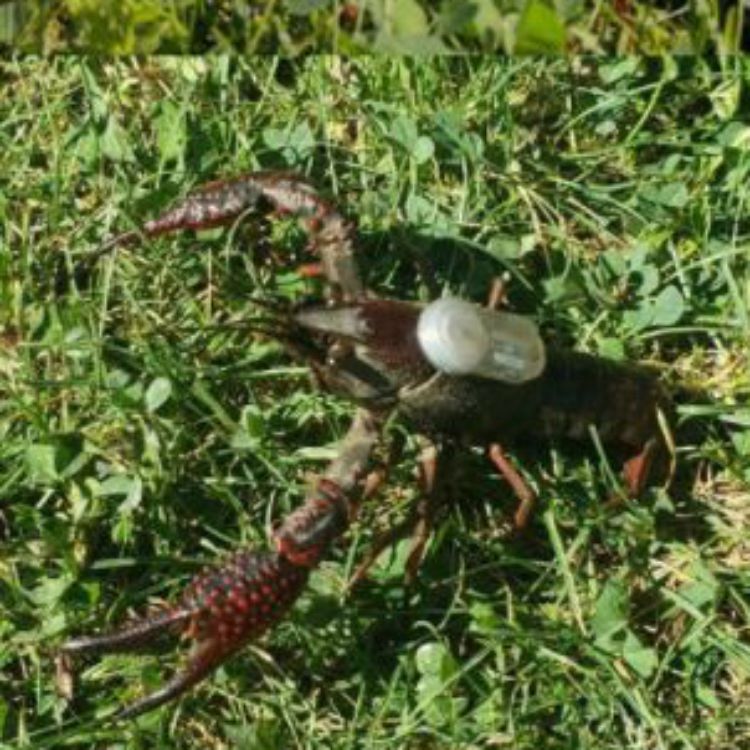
{"x":338,"y":351}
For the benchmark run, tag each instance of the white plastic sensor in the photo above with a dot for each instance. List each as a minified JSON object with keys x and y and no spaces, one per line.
{"x":459,"y":338}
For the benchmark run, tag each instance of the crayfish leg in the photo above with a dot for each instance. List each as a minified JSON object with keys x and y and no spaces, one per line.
{"x":418,"y":525}
{"x":425,"y":510}
{"x":382,"y":541}
{"x":526,"y":496}
{"x":498,"y":294}
{"x":638,"y":470}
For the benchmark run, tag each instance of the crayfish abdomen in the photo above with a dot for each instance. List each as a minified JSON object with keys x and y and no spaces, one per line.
{"x":575,"y":393}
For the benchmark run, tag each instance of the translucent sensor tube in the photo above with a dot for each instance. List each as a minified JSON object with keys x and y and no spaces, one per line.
{"x":460,"y":338}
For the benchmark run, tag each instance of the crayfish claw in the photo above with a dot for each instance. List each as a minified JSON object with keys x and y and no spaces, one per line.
{"x":222,"y":202}
{"x":226,"y":606}
{"x":222,"y":609}
{"x":137,"y":635}
{"x":206,"y":657}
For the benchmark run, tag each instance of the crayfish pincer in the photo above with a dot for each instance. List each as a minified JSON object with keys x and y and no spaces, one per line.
{"x":457,"y":373}
{"x":227,"y":605}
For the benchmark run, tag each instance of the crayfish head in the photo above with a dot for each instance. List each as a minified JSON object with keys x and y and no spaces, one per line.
{"x":372,"y":346}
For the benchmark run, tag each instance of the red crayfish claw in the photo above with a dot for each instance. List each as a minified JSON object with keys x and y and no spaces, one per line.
{"x":222,"y":609}
{"x":222,"y":202}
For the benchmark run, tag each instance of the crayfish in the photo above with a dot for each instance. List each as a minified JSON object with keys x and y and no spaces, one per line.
{"x":372,"y":351}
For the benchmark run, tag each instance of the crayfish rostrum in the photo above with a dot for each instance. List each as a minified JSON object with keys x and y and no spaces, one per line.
{"x":370,"y":350}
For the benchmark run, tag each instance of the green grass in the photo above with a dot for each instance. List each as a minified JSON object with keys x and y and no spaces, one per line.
{"x":297,"y":27}
{"x":144,"y":435}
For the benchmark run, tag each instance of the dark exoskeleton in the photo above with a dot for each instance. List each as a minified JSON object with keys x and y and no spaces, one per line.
{"x":366,"y":348}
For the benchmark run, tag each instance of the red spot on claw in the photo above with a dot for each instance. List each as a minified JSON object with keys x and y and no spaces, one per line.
{"x":310,"y":270}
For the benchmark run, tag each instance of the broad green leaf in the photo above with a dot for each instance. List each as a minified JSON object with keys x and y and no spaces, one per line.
{"x":171,"y":135}
{"x":419,"y":210}
{"x":404,"y":132}
{"x":302,"y":140}
{"x":668,"y":307}
{"x":610,"y":613}
{"x":484,"y":619}
{"x":490,"y":23}
{"x":611,"y":347}
{"x":423,"y":150}
{"x":436,"y":688}
{"x":157,"y":393}
{"x":275,"y":138}
{"x":114,"y":142}
{"x":50,"y":591}
{"x":435,"y":659}
{"x":640,"y":318}
{"x":725,"y":98}
{"x":117,"y":485}
{"x":647,"y":279}
{"x":294,"y":144}
{"x":703,"y":589}
{"x":41,"y":464}
{"x":741,"y":443}
{"x":509,"y":247}
{"x":539,"y":30}
{"x":735,"y":135}
{"x":409,"y":19}
{"x":455,"y":15}
{"x":642,"y":659}
{"x":671,"y":195}
{"x":564,"y":288}
{"x":425,"y":44}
